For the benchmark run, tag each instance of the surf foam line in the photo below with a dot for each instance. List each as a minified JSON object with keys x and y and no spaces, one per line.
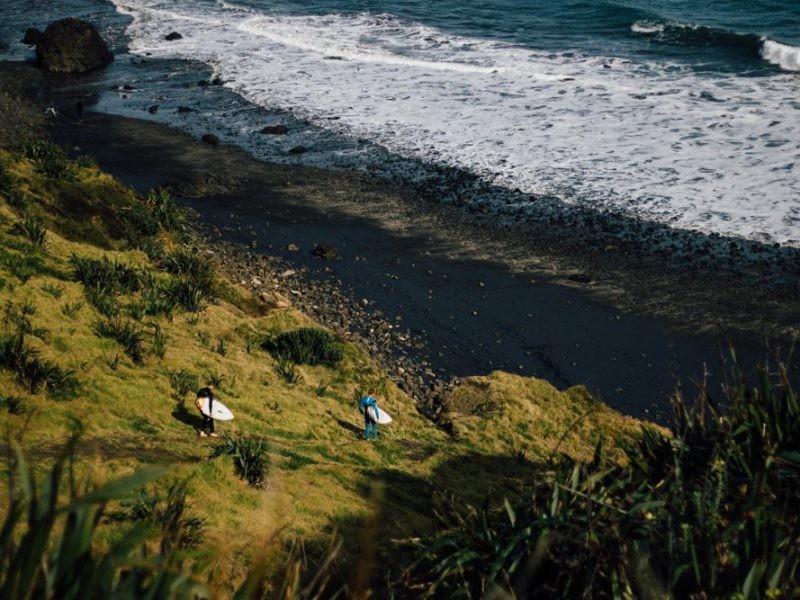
{"x":655,"y":140}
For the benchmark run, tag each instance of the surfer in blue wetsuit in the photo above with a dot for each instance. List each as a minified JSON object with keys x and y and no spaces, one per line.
{"x":369,"y":407}
{"x":207,"y":428}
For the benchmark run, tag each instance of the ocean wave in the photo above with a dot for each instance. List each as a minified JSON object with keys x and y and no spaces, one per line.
{"x":785,"y":56}
{"x":686,"y":34}
{"x":560,"y":123}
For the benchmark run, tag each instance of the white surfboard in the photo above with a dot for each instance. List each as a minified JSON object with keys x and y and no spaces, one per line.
{"x":383,"y":417}
{"x":219,"y":411}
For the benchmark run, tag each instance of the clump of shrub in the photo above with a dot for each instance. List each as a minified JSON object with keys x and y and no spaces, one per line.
{"x":164,"y":210}
{"x":13,"y":405}
{"x":182,"y":382}
{"x":172,"y":517}
{"x":8,"y":184}
{"x":22,"y":266}
{"x":32,"y":228}
{"x":308,"y":345}
{"x":126,"y":334}
{"x":708,"y":511}
{"x":34,"y":372}
{"x":50,"y":160}
{"x":249,"y":458}
{"x":193,"y":282}
{"x":71,"y":309}
{"x":159,"y":341}
{"x":287,"y":370}
{"x":41,"y":150}
{"x":55,"y":290}
{"x":104,"y":274}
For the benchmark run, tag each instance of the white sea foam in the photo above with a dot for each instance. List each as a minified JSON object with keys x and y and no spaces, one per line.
{"x":717,"y":153}
{"x":785,"y":56}
{"x":647,"y":27}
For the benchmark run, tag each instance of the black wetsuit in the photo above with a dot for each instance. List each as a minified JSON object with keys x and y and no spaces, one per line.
{"x":208,"y":422}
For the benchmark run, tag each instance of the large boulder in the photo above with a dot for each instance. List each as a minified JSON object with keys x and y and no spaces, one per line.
{"x":32,"y":36}
{"x":72,"y":46}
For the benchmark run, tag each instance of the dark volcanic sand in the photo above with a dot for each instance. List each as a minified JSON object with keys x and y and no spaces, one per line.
{"x":479,"y":302}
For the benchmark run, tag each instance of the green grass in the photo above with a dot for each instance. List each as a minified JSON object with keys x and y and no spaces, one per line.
{"x":300,"y":440}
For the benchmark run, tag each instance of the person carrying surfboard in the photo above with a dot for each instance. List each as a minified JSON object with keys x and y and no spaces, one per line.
{"x":207,"y":428}
{"x":369,"y":408}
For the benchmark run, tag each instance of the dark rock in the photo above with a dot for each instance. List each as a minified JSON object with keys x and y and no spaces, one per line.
{"x":298,"y":150}
{"x":173,"y":36}
{"x":72,"y":46}
{"x":32,"y":36}
{"x":325,"y":252}
{"x":210,"y":138}
{"x":3,"y":46}
{"x":581,"y":277}
{"x":217,"y":81}
{"x":184,"y":109}
{"x":128,"y":88}
{"x":203,"y":83}
{"x":153,"y":109}
{"x":275,"y":129}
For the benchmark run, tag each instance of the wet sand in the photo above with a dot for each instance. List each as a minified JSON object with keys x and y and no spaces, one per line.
{"x":478,"y":299}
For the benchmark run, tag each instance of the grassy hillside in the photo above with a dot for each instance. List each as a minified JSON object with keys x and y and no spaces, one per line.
{"x":113,"y":317}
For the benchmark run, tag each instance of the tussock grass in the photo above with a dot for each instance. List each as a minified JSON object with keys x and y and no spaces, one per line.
{"x":307,"y":345}
{"x":34,"y":372}
{"x":249,"y":458}
{"x":32,"y":228}
{"x":105,"y":275}
{"x":126,"y":334}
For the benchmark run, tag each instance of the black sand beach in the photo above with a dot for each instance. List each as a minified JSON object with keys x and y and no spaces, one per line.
{"x":443,"y":297}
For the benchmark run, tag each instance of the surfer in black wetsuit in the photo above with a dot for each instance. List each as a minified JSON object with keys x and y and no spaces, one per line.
{"x":207,"y":428}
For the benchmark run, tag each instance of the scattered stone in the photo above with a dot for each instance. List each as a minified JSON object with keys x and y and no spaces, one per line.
{"x":298,"y":150}
{"x":325,"y":252}
{"x":203,"y":83}
{"x":275,"y":130}
{"x":171,"y":37}
{"x":581,"y":277}
{"x":72,"y":46}
{"x":275,"y":299}
{"x":32,"y":36}
{"x":128,"y":87}
{"x":293,"y":248}
{"x":210,"y":138}
{"x":185,"y":109}
{"x":288,"y":273}
{"x":153,"y":109}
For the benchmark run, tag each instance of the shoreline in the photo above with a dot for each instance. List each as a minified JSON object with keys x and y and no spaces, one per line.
{"x":436,"y":292}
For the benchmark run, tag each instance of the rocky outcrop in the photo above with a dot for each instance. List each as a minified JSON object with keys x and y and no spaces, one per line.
{"x":32,"y":36}
{"x":72,"y":46}
{"x":171,"y":37}
{"x":210,"y":138}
